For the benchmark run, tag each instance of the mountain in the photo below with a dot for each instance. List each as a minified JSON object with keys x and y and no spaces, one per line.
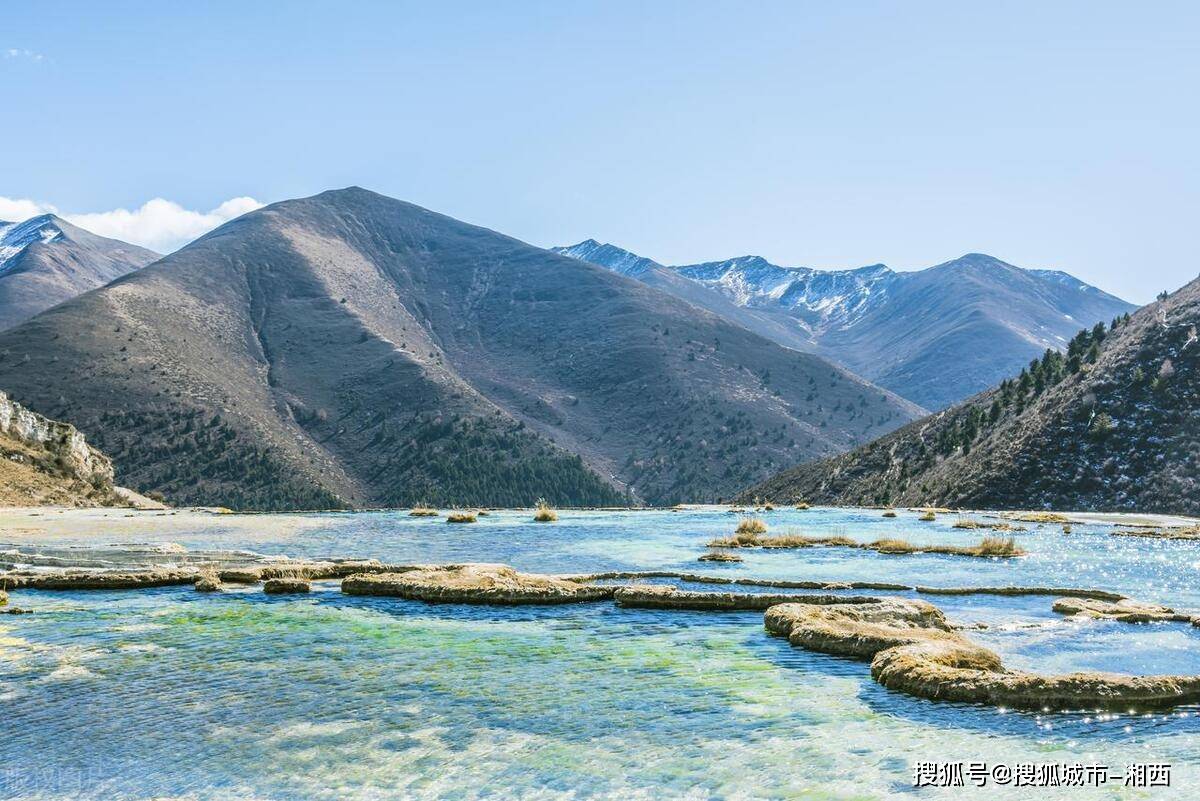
{"x":1110,"y":425}
{"x":934,"y":336}
{"x":349,"y":349}
{"x":46,"y":260}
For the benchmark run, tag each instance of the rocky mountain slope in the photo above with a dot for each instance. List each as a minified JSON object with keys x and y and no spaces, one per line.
{"x":353,"y":350}
{"x":44,"y":462}
{"x":46,"y":260}
{"x":935,"y":336}
{"x":1110,"y":425}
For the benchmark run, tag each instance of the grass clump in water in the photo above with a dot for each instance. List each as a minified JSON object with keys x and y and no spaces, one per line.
{"x":997,"y":546}
{"x":751,"y":525}
{"x":988,"y":546}
{"x":889,"y":513}
{"x":421,"y":510}
{"x":892,"y":545}
{"x":543,"y":513}
{"x":461,"y":517}
{"x":1039,"y":517}
{"x":747,"y":539}
{"x":927,"y":517}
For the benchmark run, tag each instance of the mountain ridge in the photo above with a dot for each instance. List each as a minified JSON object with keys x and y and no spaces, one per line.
{"x":350,"y":349}
{"x":977,"y":313}
{"x":46,"y":260}
{"x":1108,"y":426}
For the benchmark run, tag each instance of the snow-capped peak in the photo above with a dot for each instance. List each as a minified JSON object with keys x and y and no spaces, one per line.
{"x":15,"y":237}
{"x":614,"y":258}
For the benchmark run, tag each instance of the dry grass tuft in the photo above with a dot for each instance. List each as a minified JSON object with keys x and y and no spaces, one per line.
{"x":927,"y":517}
{"x":889,"y":513}
{"x":997,"y":546}
{"x":751,"y":525}
{"x":1039,"y":517}
{"x":543,"y":513}
{"x":892,"y":546}
{"x":423,"y":511}
{"x":461,"y":517}
{"x":802,"y":506}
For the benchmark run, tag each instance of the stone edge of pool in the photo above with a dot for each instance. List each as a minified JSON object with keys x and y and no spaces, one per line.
{"x":910,"y":646}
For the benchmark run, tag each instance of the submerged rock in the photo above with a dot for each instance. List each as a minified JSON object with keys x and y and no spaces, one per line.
{"x":475,"y":584}
{"x":665,"y":596}
{"x":912,"y":649}
{"x":282,"y":586}
{"x":1125,"y":610}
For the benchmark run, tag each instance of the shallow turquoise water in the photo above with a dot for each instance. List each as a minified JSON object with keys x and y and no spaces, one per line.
{"x":169,"y":693}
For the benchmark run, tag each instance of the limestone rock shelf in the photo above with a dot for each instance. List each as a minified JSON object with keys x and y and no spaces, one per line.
{"x":475,"y":584}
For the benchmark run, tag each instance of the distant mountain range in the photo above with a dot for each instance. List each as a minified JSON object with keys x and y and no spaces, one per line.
{"x":934,"y":336}
{"x":1110,"y":425}
{"x":46,"y":260}
{"x":349,"y":349}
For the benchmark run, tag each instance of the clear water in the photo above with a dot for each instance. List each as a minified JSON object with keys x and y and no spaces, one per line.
{"x":170,"y":693}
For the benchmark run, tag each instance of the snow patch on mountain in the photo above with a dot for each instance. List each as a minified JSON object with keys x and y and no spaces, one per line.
{"x":614,"y":258}
{"x":15,"y":237}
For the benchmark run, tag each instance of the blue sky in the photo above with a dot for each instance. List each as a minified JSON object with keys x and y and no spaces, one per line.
{"x":821,"y":134}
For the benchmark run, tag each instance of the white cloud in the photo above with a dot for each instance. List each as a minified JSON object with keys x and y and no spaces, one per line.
{"x":158,"y":224}
{"x":30,"y":55}
{"x":161,"y":224}
{"x":14,"y":210}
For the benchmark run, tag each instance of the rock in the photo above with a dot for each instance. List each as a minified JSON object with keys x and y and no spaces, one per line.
{"x":309,"y":570}
{"x":1125,"y":610}
{"x":241,"y":575}
{"x":99,"y":579}
{"x":701,"y":578}
{"x":208,"y":582}
{"x":913,"y":650}
{"x":664,"y":596}
{"x":1073,"y":592}
{"x":62,"y":443}
{"x":475,"y":584}
{"x":282,"y":586}
{"x":718,"y":556}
